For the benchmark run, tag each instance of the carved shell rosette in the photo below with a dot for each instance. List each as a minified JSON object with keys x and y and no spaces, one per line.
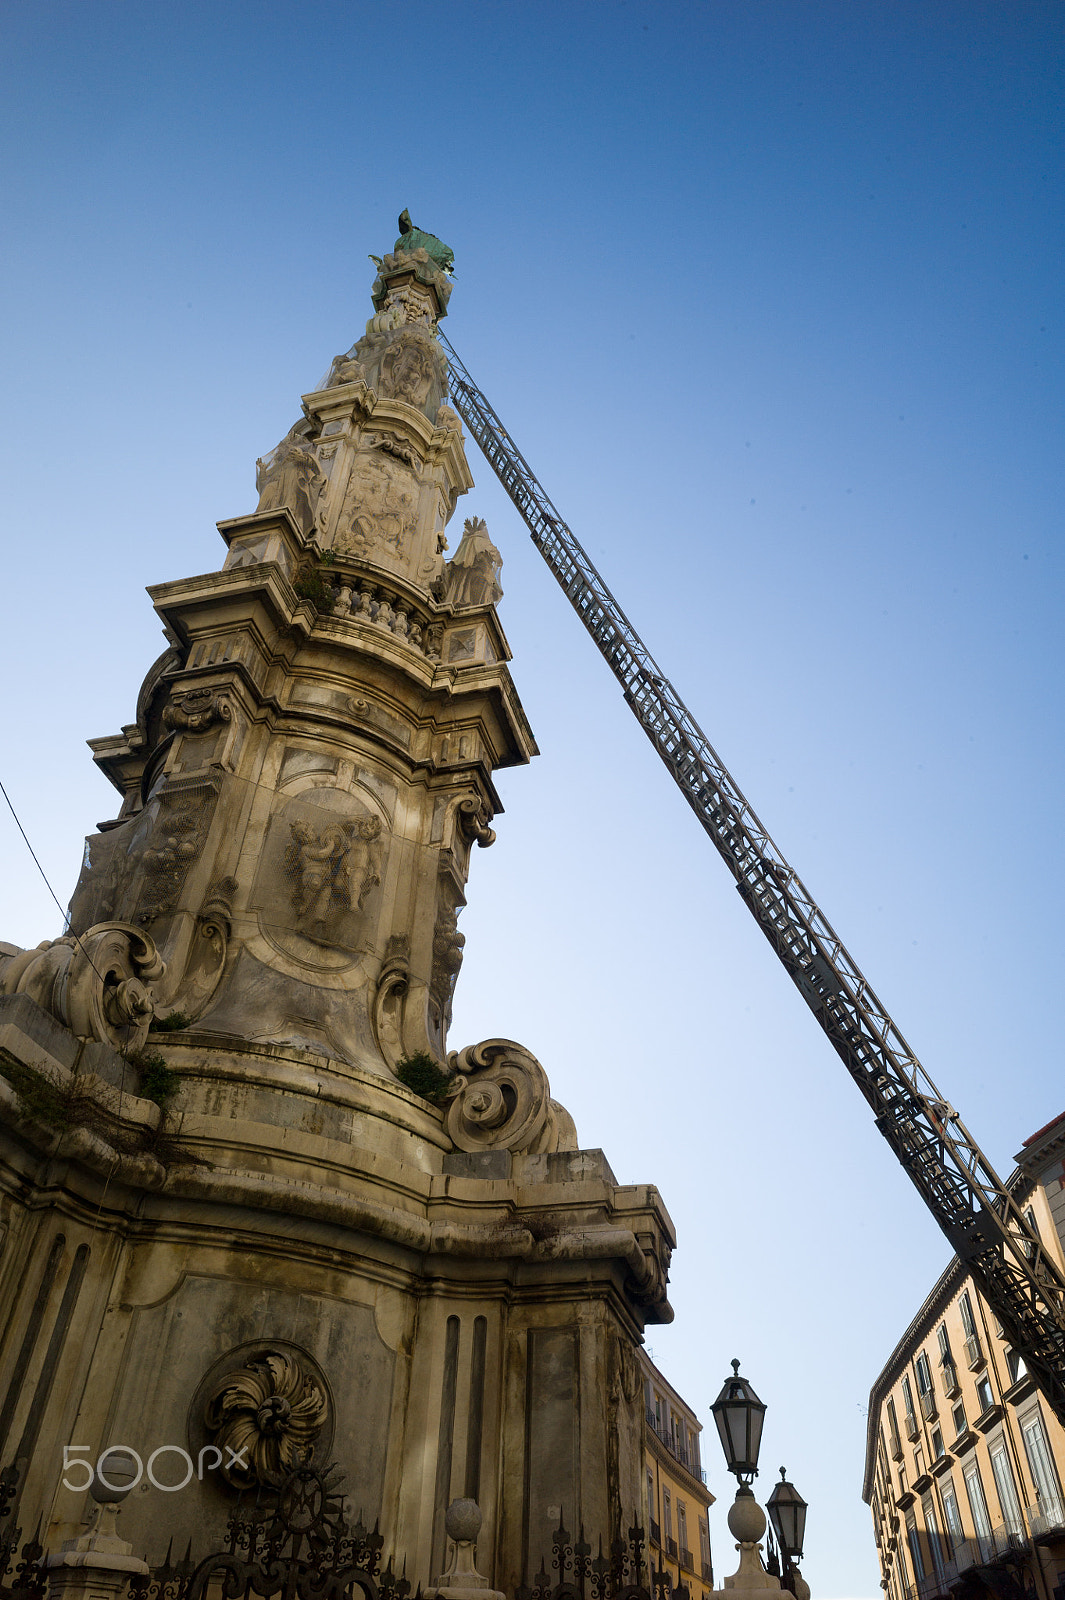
{"x":501,"y":1100}
{"x":265,"y":1418}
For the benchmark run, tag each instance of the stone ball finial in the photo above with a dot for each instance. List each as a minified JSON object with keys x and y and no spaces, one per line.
{"x":113,"y":1476}
{"x":746,"y":1519}
{"x":463,"y":1521}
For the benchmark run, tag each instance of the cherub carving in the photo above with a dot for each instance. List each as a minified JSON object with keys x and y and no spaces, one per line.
{"x":332,"y":870}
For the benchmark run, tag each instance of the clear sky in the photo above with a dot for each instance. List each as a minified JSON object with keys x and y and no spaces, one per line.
{"x":769,"y":293}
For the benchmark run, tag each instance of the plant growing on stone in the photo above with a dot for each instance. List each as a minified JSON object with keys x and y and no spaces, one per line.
{"x":173,"y":1022}
{"x":421,"y":1074}
{"x":158,"y":1082}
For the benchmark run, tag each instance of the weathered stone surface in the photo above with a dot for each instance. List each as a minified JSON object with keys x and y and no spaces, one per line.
{"x":451,"y":1292}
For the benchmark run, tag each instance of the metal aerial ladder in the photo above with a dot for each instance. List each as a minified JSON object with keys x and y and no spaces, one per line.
{"x":974,"y":1208}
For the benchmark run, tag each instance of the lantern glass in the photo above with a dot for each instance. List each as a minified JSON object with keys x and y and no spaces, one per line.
{"x":787,"y":1513}
{"x":739,"y":1415}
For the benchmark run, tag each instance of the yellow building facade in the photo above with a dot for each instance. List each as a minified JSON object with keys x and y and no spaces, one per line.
{"x":676,"y":1499}
{"x":964,"y":1459}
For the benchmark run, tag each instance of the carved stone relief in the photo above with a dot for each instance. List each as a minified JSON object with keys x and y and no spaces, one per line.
{"x":448,"y":945}
{"x":332,"y":869}
{"x":501,"y":1100}
{"x":175,"y":842}
{"x":292,"y":476}
{"x":196,"y":710}
{"x":266,"y":1418}
{"x":407,"y":368}
{"x":380,"y":506}
{"x":473,"y":571}
{"x":473,"y":816}
{"x":100,"y":985}
{"x":316,"y":889}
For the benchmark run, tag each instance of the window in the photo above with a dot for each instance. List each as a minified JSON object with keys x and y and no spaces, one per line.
{"x":911,"y":1415}
{"x":918,"y":1464}
{"x":893,"y":1430}
{"x":924,"y":1373}
{"x":935,"y":1545}
{"x":958,"y":1418}
{"x":984,"y":1397}
{"x":1007,"y":1489}
{"x":1042,"y":1467}
{"x":1029,"y":1217}
{"x":973,"y":1353}
{"x":978,"y":1506}
{"x":682,"y":1524}
{"x":952,"y":1515}
{"x":651,"y":1498}
{"x":913,"y":1539}
{"x":944,"y":1342}
{"x":938,"y":1452}
{"x":667,"y":1514}
{"x":1015,"y":1366}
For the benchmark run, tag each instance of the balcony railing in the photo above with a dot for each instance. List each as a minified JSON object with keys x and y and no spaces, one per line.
{"x":912,"y":1429}
{"x":928,"y":1404}
{"x":1047,"y":1518}
{"x":687,"y":1560}
{"x":895,"y":1447}
{"x":656,"y":1532}
{"x":671,"y":1547}
{"x":974,"y":1355}
{"x":708,"y":1574}
{"x":687,"y":1458}
{"x":950,"y":1378}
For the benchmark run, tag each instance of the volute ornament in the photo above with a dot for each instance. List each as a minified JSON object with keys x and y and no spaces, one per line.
{"x":501,"y":1100}
{"x":267,"y":1415}
{"x":99,"y":985}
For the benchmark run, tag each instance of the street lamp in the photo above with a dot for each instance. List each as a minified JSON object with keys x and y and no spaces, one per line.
{"x":739,"y":1415}
{"x":787,"y":1513}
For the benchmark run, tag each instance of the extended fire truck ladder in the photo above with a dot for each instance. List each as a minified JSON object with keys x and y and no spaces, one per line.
{"x":972,"y":1205}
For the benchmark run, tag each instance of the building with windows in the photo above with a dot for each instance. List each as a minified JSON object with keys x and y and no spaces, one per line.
{"x":677,"y":1499}
{"x":964,"y":1459}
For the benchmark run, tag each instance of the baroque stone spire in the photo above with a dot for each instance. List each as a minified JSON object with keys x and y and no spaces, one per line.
{"x":312,"y":758}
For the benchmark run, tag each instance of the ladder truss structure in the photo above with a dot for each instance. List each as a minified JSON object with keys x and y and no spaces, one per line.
{"x":971,"y":1204}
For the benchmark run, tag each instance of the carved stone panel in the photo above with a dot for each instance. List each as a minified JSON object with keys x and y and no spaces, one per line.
{"x":318,"y":881}
{"x":380,"y":509}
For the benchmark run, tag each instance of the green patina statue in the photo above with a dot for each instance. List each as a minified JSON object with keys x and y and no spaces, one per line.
{"x":412,"y":238}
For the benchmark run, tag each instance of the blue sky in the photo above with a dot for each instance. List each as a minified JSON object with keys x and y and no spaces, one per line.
{"x":769,"y":294}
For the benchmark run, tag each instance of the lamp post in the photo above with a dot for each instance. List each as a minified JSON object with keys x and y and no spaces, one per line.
{"x":739,"y":1414}
{"x":787,"y":1513}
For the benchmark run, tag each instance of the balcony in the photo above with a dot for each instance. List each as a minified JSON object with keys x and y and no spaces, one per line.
{"x":895,"y":1447}
{"x":688,"y":1459}
{"x":708,"y":1574}
{"x":656,"y":1533}
{"x":928,"y":1405}
{"x":951,"y":1384}
{"x":913,"y":1430}
{"x":671,"y":1547}
{"x":687,"y":1560}
{"x":974,"y":1355}
{"x":1047,"y":1521}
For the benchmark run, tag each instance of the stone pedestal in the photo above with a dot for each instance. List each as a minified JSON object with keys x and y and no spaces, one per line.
{"x":97,"y":1565}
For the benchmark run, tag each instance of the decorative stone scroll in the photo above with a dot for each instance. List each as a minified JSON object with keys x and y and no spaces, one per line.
{"x":501,"y":1100}
{"x":265,"y":1418}
{"x":99,"y":985}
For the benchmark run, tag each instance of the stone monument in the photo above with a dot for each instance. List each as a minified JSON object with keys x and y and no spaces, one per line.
{"x":256,"y":1213}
